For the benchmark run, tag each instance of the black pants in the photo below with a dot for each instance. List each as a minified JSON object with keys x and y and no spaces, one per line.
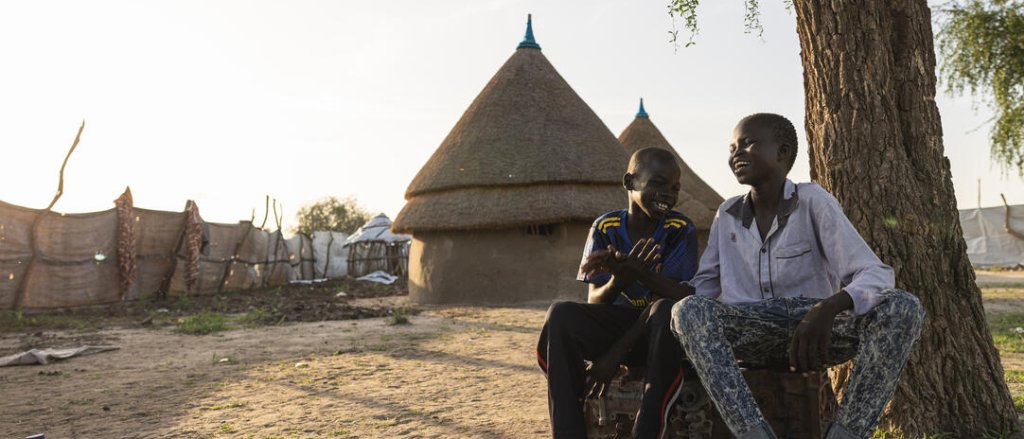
{"x":577,"y":331}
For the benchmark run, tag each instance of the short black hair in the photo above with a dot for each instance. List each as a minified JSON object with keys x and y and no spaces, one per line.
{"x":781,"y":128}
{"x":644,"y":156}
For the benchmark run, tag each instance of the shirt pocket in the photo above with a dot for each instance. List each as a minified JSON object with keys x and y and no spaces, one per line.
{"x":792,"y":251}
{"x":793,"y":266}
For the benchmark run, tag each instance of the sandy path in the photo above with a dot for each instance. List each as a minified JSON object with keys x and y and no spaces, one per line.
{"x":454,"y":372}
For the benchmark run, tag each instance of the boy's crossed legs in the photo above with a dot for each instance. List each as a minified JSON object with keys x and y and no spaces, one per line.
{"x":715,"y":335}
{"x":576,"y":331}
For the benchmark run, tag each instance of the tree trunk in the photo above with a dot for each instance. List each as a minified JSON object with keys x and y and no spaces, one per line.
{"x":875,"y":142}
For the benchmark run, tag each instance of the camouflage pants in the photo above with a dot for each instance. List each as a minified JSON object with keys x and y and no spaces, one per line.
{"x":715,"y":335}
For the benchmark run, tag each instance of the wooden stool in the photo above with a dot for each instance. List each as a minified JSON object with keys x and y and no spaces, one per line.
{"x":796,"y":405}
{"x":612,"y":416}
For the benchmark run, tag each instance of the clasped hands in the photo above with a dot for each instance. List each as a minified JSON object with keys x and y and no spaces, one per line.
{"x":643,"y":257}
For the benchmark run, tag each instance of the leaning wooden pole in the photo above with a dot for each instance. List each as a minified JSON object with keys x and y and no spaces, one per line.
{"x":19,"y":300}
{"x":266,"y":212}
{"x":1006,"y":221}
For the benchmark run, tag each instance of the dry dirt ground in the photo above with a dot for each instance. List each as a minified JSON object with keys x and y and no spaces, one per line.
{"x":453,"y":372}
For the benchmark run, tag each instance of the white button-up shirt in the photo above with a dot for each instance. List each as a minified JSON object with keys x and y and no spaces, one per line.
{"x":811,"y":250}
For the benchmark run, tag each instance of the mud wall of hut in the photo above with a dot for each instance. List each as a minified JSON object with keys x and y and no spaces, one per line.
{"x":461,"y":267}
{"x":53,"y":260}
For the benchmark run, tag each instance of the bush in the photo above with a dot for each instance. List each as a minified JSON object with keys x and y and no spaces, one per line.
{"x":337,"y":215}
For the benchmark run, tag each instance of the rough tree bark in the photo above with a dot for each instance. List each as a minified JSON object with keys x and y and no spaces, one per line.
{"x":876,"y":143}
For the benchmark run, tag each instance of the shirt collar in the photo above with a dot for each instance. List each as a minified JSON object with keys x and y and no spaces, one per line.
{"x":743,"y":208}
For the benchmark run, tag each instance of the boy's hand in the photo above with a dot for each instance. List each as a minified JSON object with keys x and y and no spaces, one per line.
{"x":598,"y":261}
{"x":809,"y":348}
{"x":642,"y":258}
{"x":599,"y":374}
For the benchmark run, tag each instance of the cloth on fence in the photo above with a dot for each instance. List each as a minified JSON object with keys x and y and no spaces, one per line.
{"x":330,"y":254}
{"x":45,"y":356}
{"x":989,"y":244}
{"x":126,"y":263}
{"x":381,"y":277}
{"x":193,"y":244}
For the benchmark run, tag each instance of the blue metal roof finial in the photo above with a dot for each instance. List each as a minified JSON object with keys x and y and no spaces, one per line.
{"x":528,"y":41}
{"x":642,"y":113}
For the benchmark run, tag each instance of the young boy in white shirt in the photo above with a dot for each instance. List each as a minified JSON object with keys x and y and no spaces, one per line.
{"x":782,"y":265}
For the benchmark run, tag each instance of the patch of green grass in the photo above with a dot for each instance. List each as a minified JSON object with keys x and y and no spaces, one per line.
{"x":204,"y":323}
{"x":13,"y":321}
{"x":228,"y":405}
{"x":226,"y":428}
{"x":1018,"y":403}
{"x":398,"y":316}
{"x":256,"y":317}
{"x":1014,"y":376}
{"x":887,"y":434}
{"x":341,"y":433}
{"x":211,"y":322}
{"x":1008,"y":331}
{"x":1003,"y":291}
{"x":82,"y":401}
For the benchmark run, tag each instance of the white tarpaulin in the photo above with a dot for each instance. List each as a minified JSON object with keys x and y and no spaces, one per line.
{"x":988,"y":242}
{"x":377,"y":229}
{"x":300,"y":257}
{"x":45,"y":356}
{"x":330,"y":254}
{"x":380,"y":277}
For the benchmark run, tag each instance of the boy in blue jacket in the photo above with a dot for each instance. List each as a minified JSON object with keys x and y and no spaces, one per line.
{"x":633,"y":260}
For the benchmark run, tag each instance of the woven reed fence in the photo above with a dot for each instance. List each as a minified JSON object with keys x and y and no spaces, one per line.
{"x":52,"y":260}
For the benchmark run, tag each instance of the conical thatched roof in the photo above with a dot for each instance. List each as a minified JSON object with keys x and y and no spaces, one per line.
{"x":696,"y":199}
{"x":527,"y":151}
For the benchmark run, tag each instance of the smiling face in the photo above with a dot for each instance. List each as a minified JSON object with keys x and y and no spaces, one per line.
{"x":755,"y":155}
{"x":654,"y":187}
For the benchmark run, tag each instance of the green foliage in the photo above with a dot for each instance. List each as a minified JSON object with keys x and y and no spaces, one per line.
{"x":981,"y":44}
{"x":687,"y":11}
{"x":331,"y":213}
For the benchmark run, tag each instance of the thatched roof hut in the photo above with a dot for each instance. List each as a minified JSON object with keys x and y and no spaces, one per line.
{"x":527,"y":151}
{"x":696,"y":199}
{"x":512,"y":189}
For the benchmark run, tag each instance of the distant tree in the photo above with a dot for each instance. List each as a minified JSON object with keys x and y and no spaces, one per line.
{"x":981,"y":44}
{"x":338,"y":215}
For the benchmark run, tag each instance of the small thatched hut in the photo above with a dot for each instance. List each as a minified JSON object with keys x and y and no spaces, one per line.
{"x":696,"y":199}
{"x":501,"y":211}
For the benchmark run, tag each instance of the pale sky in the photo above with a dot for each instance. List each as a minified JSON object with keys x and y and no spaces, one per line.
{"x":226,"y":101}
